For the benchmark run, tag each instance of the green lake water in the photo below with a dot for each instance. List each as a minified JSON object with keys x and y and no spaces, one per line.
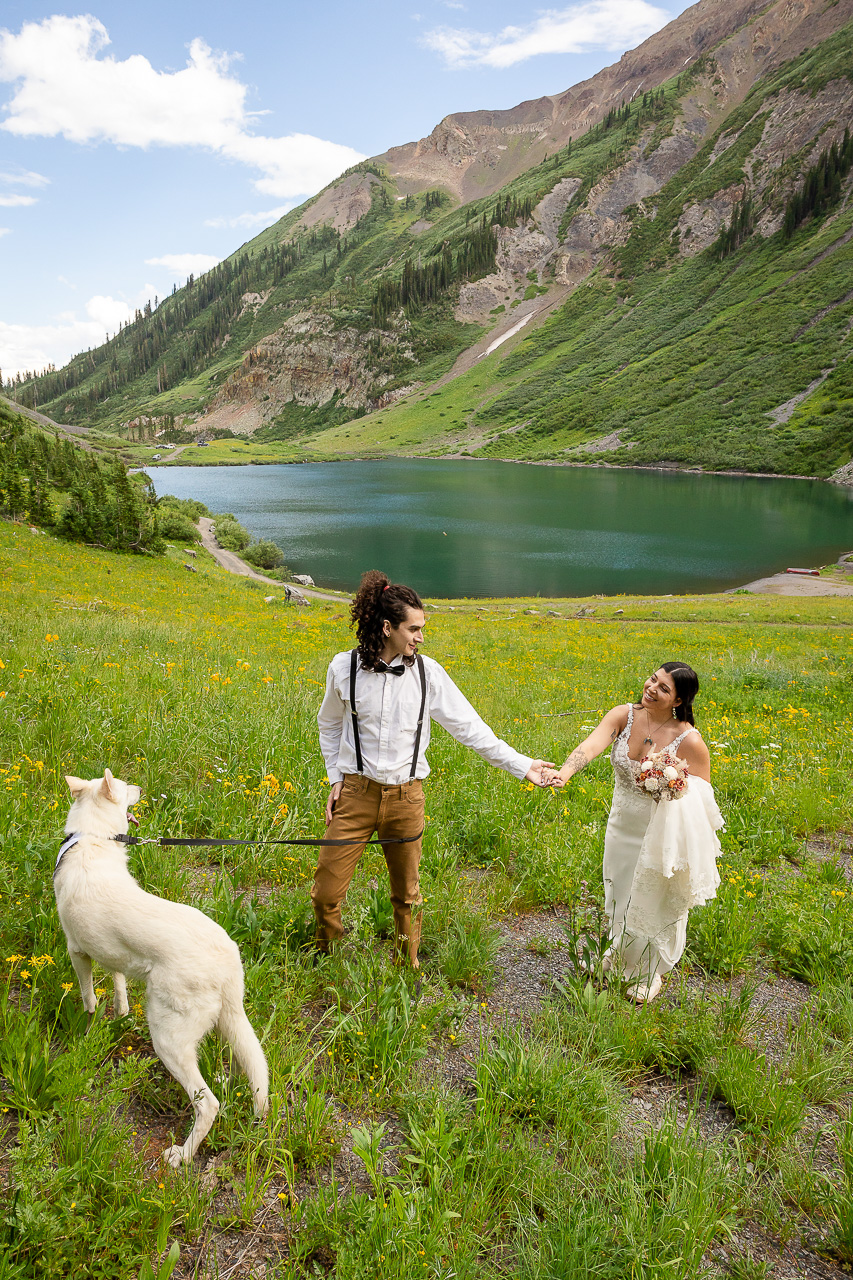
{"x":452,"y":528}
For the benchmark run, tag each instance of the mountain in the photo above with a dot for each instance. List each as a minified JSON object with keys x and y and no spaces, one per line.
{"x":475,"y":153}
{"x":655,"y":267}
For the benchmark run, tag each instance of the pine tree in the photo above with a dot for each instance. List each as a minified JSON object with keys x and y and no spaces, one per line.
{"x":821,"y":187}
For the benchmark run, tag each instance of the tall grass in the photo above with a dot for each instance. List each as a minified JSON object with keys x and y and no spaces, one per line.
{"x":410,"y":1129}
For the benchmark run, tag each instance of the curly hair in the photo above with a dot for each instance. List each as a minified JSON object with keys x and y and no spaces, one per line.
{"x":686,"y":684}
{"x":378,"y":600}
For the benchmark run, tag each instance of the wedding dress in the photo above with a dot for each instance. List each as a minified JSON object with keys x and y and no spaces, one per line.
{"x":659,"y":861}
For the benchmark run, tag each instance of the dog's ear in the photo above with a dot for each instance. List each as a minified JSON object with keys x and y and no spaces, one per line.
{"x":75,"y":785}
{"x":133,"y":794}
{"x":108,"y":787}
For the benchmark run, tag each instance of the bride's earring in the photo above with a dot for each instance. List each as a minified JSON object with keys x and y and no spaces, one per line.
{"x":674,"y":714}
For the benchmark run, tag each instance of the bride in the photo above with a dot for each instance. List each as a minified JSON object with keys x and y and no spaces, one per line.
{"x":659,"y":856}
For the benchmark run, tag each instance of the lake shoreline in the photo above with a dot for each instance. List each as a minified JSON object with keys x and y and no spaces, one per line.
{"x":660,"y":468}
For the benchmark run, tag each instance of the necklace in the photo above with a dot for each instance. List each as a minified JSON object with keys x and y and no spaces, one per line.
{"x":648,"y":739}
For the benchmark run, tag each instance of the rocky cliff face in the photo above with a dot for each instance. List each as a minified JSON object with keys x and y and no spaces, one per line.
{"x":308,"y":361}
{"x":341,"y":204}
{"x":795,"y":123}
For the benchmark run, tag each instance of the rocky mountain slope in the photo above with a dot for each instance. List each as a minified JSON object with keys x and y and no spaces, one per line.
{"x":621,"y":271}
{"x":475,"y":153}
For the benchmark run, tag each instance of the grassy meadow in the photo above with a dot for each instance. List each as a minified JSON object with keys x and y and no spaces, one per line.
{"x":426,"y":1126}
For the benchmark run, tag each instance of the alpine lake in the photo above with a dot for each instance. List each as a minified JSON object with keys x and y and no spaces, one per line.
{"x":488,"y":529}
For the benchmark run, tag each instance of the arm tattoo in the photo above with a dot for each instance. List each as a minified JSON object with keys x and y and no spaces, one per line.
{"x":576,"y":761}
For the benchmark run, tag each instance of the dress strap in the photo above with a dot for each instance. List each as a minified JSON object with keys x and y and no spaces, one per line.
{"x":678,"y":741}
{"x":630,"y":723}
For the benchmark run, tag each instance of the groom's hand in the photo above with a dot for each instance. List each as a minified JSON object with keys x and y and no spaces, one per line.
{"x":332,"y":800}
{"x":534,"y":773}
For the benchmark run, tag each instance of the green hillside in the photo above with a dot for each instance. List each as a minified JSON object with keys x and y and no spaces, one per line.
{"x":171,"y":359}
{"x":685,"y":364}
{"x":81,"y":493}
{"x":685,"y":359}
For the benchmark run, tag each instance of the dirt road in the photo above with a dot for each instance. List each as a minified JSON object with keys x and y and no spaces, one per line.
{"x":232,"y":562}
{"x":77,"y":433}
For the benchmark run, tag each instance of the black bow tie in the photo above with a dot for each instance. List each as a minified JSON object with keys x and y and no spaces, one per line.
{"x":382,"y":667}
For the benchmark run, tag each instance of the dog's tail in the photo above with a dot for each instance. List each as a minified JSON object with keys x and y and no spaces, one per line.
{"x":234,"y":1026}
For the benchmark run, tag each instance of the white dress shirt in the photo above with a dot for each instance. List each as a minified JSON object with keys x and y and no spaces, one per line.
{"x":388,"y":707}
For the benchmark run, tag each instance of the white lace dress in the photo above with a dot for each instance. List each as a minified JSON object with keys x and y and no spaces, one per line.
{"x":659,"y":861}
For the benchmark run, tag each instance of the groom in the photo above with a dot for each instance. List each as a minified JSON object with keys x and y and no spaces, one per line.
{"x":374,"y":732}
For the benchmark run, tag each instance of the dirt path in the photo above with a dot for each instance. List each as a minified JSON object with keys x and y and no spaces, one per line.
{"x":792,"y":584}
{"x":785,"y":584}
{"x":232,"y":562}
{"x":78,"y":434}
{"x":173,"y":453}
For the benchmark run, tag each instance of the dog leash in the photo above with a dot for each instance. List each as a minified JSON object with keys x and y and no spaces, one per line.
{"x":210,"y":842}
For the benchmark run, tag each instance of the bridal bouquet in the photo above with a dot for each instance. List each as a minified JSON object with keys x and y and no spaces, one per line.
{"x":662,"y":776}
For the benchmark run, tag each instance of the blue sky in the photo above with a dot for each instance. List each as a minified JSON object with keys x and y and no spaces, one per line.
{"x":141,"y":142}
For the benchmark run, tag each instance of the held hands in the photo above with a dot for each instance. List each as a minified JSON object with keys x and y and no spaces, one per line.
{"x":540,"y":773}
{"x":553,"y":778}
{"x":330,"y":803}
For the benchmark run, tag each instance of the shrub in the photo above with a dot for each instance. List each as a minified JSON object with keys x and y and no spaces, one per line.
{"x":189,"y":507}
{"x":230,"y":534}
{"x":264,"y":554}
{"x":177,"y":527}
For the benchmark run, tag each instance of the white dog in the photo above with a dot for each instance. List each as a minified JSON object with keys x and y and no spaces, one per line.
{"x":191,"y":967}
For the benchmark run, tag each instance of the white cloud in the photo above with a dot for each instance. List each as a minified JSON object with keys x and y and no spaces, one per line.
{"x":294,"y":165}
{"x":32,"y":347}
{"x":5,"y":231}
{"x":25,"y":179}
{"x":108,"y":312}
{"x":613,"y":25}
{"x":184,"y":264}
{"x":250,"y":220}
{"x":15,"y":201}
{"x":67,"y":86}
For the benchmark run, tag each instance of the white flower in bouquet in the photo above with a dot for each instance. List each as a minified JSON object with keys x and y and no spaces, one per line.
{"x":662,"y":776}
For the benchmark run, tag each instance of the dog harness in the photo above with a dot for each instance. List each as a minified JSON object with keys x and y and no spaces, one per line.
{"x":70,"y":841}
{"x":67,"y":844}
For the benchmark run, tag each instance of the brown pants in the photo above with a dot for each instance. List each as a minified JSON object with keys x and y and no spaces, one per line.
{"x":363,"y":807}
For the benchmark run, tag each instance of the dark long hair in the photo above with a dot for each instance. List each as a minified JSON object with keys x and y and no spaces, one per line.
{"x":378,"y":600}
{"x":686,"y":684}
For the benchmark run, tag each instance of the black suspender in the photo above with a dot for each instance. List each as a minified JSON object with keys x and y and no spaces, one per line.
{"x":353,"y":668}
{"x":422,"y":675}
